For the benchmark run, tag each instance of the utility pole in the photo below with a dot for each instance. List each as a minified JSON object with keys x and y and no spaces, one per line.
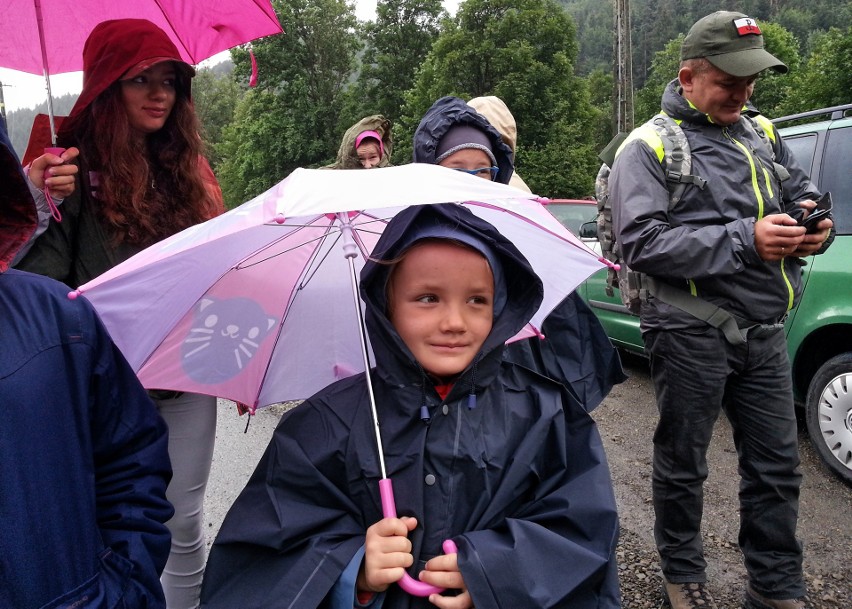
{"x":623,"y":69}
{"x":3,"y":104}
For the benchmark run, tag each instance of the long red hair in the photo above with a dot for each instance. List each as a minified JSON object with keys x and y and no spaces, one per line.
{"x":148,"y":189}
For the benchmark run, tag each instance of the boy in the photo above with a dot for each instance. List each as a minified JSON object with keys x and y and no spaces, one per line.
{"x":488,"y":454}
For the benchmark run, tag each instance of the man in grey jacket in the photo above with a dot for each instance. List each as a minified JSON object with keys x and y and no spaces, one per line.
{"x":732,"y":243}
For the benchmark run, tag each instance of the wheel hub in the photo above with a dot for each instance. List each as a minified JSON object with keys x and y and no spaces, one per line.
{"x":835,"y":418}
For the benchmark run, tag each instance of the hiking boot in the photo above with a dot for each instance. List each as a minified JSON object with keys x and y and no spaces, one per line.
{"x":753,"y":600}
{"x":689,"y":595}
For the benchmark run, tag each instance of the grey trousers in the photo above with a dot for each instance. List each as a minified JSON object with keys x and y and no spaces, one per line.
{"x":191,"y":419}
{"x":696,"y":373}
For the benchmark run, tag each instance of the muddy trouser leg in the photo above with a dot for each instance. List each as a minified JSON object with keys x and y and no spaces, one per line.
{"x":191,"y":419}
{"x":759,"y":405}
{"x":689,"y":369}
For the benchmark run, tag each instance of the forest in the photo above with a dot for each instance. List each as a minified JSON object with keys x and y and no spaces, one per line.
{"x":549,"y":60}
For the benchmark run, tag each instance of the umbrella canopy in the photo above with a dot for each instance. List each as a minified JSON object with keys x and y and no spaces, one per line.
{"x":198,"y":29}
{"x":47,"y":36}
{"x":258,"y":305}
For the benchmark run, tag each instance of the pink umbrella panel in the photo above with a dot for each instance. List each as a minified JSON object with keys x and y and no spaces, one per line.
{"x":198,"y":29}
{"x":256,"y":305}
{"x":47,"y":36}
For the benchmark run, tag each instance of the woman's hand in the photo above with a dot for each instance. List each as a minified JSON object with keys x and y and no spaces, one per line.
{"x":387,"y":553}
{"x":56,"y":172}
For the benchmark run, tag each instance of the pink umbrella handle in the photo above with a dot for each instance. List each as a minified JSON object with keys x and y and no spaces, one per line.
{"x":414,"y":587}
{"x":54,"y":211}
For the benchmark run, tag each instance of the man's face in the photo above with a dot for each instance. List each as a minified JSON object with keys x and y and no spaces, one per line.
{"x":716,"y":93}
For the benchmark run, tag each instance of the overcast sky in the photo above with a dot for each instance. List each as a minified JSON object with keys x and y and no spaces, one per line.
{"x":21,"y":90}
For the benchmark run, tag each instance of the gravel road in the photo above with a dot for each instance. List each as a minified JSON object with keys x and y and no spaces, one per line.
{"x":626,"y":420}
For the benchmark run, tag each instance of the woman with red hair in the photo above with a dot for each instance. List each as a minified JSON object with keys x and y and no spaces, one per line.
{"x":142,"y":177}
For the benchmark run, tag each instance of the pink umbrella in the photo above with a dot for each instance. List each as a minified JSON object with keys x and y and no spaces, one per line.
{"x":255,"y":305}
{"x":47,"y":36}
{"x":261,"y":304}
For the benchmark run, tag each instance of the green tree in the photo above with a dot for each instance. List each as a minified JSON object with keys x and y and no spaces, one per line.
{"x":825,"y":79}
{"x":396,"y":44}
{"x":772,"y":88}
{"x":290,"y":119}
{"x":522,"y":51}
{"x":664,"y":67}
{"x":215,"y":96}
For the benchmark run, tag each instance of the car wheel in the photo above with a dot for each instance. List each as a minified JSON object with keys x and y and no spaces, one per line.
{"x":829,"y":414}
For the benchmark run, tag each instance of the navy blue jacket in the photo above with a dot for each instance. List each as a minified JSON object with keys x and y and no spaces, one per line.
{"x":84,"y":458}
{"x":520,"y":482}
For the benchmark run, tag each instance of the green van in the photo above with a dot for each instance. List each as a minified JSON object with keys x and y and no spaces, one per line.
{"x":819,"y":329}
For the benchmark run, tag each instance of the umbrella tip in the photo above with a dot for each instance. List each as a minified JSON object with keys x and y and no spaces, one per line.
{"x":73,"y":294}
{"x":280,"y":219}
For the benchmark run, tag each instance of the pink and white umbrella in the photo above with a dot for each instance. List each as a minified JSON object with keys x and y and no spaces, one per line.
{"x":257,"y":305}
{"x":261,"y":304}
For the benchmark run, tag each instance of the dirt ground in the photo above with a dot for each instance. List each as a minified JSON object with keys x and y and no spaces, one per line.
{"x":626,"y":420}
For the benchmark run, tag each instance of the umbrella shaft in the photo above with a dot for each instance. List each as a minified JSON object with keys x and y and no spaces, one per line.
{"x":363,"y":336}
{"x":43,"y":43}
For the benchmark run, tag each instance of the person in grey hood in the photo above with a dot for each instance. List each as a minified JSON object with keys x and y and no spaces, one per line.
{"x":733,"y":243}
{"x":498,"y":459}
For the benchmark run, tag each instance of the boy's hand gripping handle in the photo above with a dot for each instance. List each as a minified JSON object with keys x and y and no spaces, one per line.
{"x":414,"y":587}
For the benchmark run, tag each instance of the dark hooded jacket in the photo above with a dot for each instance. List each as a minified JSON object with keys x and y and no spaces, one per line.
{"x":705,"y":243}
{"x":576,"y":350}
{"x":448,"y":112}
{"x":519,"y":481}
{"x":347,"y":155}
{"x":84,"y":453}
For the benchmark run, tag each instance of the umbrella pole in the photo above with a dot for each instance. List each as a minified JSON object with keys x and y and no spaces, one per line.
{"x":40,"y":23}
{"x":350,"y":250}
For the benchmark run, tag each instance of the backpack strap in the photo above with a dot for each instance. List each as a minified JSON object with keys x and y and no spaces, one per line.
{"x":697,"y":307}
{"x":677,"y":160}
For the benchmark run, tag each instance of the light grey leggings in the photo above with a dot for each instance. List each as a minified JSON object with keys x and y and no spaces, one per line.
{"x":191,"y":419}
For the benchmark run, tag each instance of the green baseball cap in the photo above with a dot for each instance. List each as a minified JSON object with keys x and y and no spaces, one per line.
{"x":732,"y":42}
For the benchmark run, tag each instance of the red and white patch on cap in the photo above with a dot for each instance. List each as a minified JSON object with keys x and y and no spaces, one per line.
{"x":746,"y":26}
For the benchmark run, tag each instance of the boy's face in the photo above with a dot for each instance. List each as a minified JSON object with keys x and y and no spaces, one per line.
{"x":368,"y":153}
{"x":441,"y":301}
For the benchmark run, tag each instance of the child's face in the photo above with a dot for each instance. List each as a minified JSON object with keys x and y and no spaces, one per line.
{"x":369,"y":153}
{"x":469,"y":159}
{"x":441,"y":301}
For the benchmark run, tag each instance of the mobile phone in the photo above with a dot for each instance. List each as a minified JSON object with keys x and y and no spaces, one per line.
{"x":820,"y":212}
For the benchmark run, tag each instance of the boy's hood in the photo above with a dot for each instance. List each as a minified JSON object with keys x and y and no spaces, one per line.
{"x":524,"y":291}
{"x":448,"y":112}
{"x":18,"y":218}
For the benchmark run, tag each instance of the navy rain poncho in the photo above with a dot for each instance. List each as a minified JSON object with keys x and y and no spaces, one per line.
{"x":520,"y":482}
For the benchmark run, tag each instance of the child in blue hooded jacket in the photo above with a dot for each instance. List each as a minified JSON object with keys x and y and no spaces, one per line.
{"x":489,"y":454}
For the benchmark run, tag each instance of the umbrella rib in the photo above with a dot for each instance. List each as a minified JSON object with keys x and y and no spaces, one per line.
{"x":175,"y":33}
{"x":300,"y":283}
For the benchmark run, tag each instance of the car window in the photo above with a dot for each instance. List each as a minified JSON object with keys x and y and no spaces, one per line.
{"x":836,"y":177}
{"x":803,"y":148}
{"x":573,"y":216}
